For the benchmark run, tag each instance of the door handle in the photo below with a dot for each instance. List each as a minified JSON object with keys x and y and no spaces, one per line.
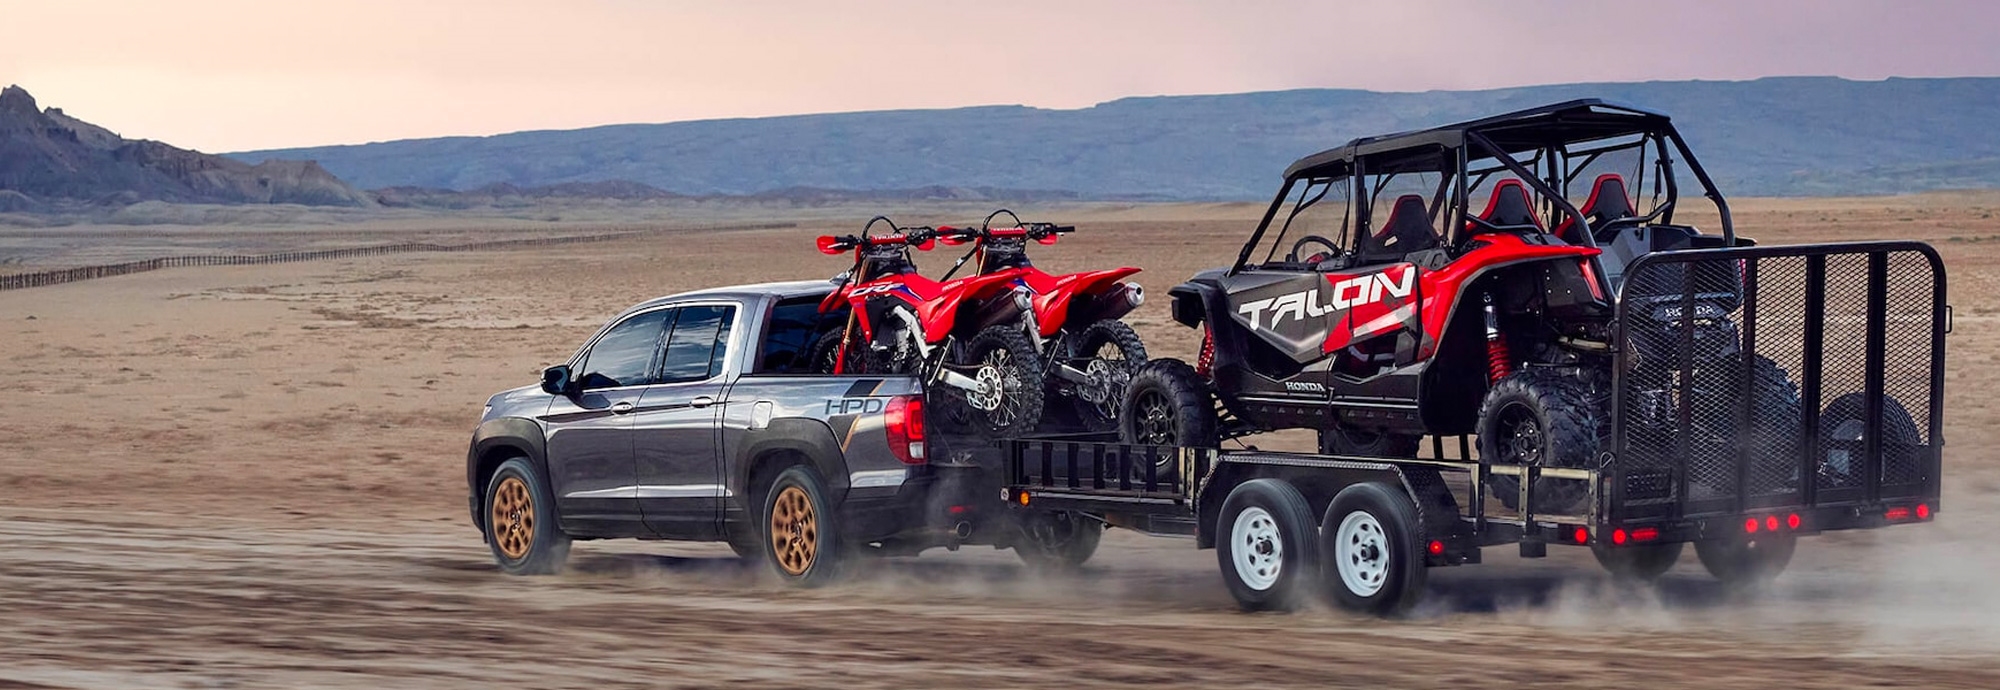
{"x":702,"y":401}
{"x":623,"y":407}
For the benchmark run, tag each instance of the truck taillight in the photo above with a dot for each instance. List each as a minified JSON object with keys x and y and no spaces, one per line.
{"x":904,"y":420}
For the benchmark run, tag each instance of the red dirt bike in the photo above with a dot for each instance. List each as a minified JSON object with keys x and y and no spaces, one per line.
{"x":962,"y":337}
{"x":1087,"y":352}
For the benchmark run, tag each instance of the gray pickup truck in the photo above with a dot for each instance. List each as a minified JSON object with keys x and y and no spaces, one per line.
{"x":693,"y":417}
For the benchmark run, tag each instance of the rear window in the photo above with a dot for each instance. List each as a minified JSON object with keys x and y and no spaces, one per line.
{"x":789,"y":335}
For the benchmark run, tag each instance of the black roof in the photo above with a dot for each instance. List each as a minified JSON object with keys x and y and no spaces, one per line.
{"x":1521,"y":130}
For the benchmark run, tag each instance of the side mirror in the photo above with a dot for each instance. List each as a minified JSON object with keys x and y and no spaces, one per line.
{"x":556,"y":380}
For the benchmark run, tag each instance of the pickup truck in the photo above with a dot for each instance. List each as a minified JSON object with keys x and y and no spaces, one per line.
{"x":695,"y":417}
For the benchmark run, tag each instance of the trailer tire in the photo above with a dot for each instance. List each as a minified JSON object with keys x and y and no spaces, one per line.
{"x":520,"y":521}
{"x":1266,"y":546}
{"x":1373,"y":549}
{"x":800,"y":533}
{"x":1747,"y":563}
{"x":1637,"y":563}
{"x":1058,"y":542}
{"x":1168,"y":404}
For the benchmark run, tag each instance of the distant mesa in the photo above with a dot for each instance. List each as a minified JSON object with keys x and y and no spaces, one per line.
{"x":47,"y":156}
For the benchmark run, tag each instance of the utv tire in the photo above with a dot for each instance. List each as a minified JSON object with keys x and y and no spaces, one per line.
{"x":1019,"y":367}
{"x":1058,"y":542}
{"x":1343,"y":439}
{"x":521,"y":524}
{"x":1843,"y":429}
{"x":1637,"y":563}
{"x":1267,"y":546}
{"x":1747,"y":563}
{"x":1775,"y":427}
{"x":1168,"y":404}
{"x":1090,"y":347}
{"x":801,"y":536}
{"x":1542,"y":418}
{"x":1373,"y":551}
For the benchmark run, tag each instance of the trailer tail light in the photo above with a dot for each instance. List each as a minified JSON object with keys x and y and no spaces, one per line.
{"x":1750,"y":526}
{"x":1619,"y":537}
{"x":1923,"y":511}
{"x":1436,"y":548}
{"x":1580,"y":536}
{"x":1771,"y":523}
{"x":1646,"y":534}
{"x":903,"y":418}
{"x":1792,"y":521}
{"x":1897,"y":513}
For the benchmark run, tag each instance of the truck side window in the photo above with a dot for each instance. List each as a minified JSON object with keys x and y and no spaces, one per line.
{"x":698,"y":344}
{"x":624,"y":355}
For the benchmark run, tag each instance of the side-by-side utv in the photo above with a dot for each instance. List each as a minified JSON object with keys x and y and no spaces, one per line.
{"x":1527,"y":292}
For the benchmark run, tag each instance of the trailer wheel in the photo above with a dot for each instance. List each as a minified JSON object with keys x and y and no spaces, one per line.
{"x":1540,"y":417}
{"x":1168,"y":404}
{"x":1747,"y":562}
{"x":520,"y":521}
{"x":1370,"y":538}
{"x":1059,"y":541}
{"x":801,"y":538}
{"x":1266,"y":545}
{"x":1637,"y":563}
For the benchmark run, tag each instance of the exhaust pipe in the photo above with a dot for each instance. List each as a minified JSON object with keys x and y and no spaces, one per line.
{"x":1117,"y":303}
{"x":1002,"y":310}
{"x":962,"y":530}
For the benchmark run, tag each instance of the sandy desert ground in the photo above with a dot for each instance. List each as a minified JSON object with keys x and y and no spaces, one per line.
{"x":253,"y":477}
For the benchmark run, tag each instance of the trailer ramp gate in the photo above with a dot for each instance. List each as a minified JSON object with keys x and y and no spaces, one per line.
{"x":1774,"y":378}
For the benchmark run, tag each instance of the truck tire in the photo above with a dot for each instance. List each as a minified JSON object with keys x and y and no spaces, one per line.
{"x":1344,"y":439}
{"x":1013,"y":359}
{"x":1637,"y":563}
{"x":1747,"y":563}
{"x":521,"y":524}
{"x":1110,"y":352}
{"x":801,"y":536}
{"x":1058,"y":541}
{"x":1266,"y":546}
{"x":1373,"y":548}
{"x":1543,"y":418}
{"x":1168,"y":404}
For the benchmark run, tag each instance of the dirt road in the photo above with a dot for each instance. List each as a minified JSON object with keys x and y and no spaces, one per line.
{"x":252,"y":477}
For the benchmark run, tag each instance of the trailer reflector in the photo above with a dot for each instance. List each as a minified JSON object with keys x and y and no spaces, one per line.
{"x":1436,"y":548}
{"x":1771,"y":522}
{"x":1581,"y":536}
{"x":1923,"y":511}
{"x":1750,"y":526}
{"x":1897,"y":513}
{"x":1023,"y":496}
{"x":1646,"y":534}
{"x":1618,"y":537}
{"x":1792,"y":521}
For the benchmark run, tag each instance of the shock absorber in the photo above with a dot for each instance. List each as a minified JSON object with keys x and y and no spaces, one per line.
{"x":1204,"y":363}
{"x":1498,"y":361}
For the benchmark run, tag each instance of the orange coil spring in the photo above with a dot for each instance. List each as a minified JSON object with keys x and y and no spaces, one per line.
{"x":1204,"y":363}
{"x":1498,"y":362}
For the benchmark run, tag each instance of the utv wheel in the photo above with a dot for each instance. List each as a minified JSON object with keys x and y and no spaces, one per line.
{"x":1373,"y":550}
{"x":1775,"y":426}
{"x":1540,"y":418}
{"x":1343,"y":439}
{"x":1109,"y":352}
{"x":802,"y":541}
{"x":1168,"y":404}
{"x":520,"y":521}
{"x":1266,"y":545}
{"x":1747,"y":563}
{"x":1637,"y":563}
{"x":1003,"y":357}
{"x":1058,"y":542}
{"x":1843,"y":433}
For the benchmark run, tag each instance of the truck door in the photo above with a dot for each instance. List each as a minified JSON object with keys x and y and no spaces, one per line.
{"x":590,"y":433}
{"x":676,"y":426}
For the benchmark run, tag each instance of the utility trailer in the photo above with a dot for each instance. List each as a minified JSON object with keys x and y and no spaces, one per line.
{"x":1588,"y":370}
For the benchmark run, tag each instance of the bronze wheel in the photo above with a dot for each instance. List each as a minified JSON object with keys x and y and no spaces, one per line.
{"x":794,"y":531}
{"x":513,"y":518}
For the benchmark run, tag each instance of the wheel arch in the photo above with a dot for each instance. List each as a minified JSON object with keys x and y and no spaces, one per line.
{"x":494,"y":442}
{"x":785,"y":443}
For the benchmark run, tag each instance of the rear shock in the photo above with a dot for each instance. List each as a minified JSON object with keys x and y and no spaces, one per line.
{"x":1204,"y":363}
{"x":1499,"y":362}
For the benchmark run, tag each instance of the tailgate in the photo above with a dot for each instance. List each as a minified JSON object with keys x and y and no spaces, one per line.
{"x":1789,"y":379}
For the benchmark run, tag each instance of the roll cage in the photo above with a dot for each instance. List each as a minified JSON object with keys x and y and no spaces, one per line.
{"x":1548,"y":148}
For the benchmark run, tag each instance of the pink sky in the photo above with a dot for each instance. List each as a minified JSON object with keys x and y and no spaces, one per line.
{"x":228,"y":75}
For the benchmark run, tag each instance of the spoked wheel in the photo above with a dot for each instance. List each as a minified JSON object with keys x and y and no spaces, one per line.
{"x":1267,"y":546}
{"x":1058,"y":541}
{"x":520,"y":528}
{"x":804,"y":547}
{"x":1168,"y":404}
{"x":1108,"y":352}
{"x":1008,"y":401}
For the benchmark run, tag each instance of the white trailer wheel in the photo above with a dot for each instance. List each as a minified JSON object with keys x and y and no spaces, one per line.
{"x":1259,"y":551}
{"x":1361,"y":554}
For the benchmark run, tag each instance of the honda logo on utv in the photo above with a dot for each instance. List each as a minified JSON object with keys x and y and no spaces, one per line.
{"x":1347,"y":293}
